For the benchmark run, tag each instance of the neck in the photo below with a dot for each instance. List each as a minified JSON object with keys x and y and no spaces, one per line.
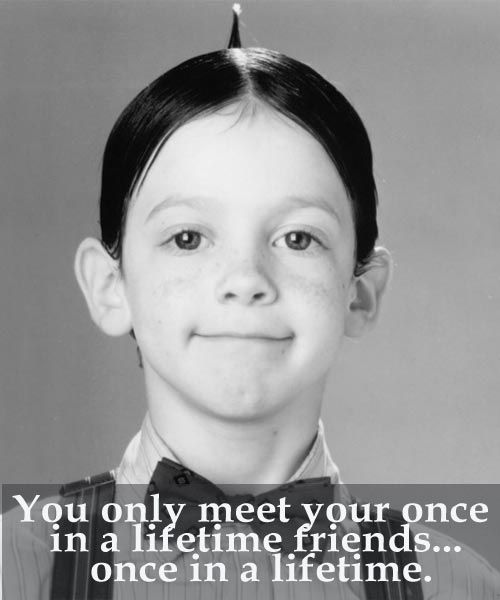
{"x":248,"y":452}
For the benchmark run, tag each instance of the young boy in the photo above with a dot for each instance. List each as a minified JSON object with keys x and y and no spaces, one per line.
{"x":238,"y":216}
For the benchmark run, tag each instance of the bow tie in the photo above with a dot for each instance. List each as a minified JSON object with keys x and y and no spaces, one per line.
{"x":174,"y":484}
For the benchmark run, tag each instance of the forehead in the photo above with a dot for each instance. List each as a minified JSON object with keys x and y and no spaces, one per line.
{"x":240,"y":156}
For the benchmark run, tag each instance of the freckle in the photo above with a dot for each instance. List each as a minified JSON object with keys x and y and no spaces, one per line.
{"x":315,"y":291}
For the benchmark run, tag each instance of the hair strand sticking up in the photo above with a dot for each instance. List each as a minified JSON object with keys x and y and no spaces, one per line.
{"x":235,"y":40}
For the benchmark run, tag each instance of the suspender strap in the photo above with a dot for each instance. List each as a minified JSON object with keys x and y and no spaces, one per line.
{"x":71,"y":578}
{"x":412,"y":590}
{"x":374,"y":590}
{"x":390,"y":590}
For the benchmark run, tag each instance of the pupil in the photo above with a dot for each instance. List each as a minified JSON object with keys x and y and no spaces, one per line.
{"x":298,"y":240}
{"x":188,"y":240}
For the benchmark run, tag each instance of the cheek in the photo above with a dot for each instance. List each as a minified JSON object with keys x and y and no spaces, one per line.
{"x":321,"y":291}
{"x":164,"y":301}
{"x":318,"y":312}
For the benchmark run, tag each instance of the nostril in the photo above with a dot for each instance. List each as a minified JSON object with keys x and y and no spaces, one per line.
{"x":247,"y":287}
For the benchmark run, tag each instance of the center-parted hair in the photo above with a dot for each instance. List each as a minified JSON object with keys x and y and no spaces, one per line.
{"x":207,"y":83}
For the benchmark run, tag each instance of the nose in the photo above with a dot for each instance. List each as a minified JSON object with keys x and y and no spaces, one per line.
{"x":246,"y":283}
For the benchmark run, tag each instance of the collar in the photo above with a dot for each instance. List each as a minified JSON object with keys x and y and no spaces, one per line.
{"x":146,"y":448}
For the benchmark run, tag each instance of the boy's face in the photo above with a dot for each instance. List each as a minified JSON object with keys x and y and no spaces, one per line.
{"x":238,"y":261}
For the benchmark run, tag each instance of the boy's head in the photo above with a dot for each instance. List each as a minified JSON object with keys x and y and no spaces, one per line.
{"x":238,"y":217}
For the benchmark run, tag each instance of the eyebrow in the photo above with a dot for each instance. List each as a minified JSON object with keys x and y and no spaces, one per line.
{"x":172,"y":201}
{"x":313,"y":202}
{"x":289,"y":202}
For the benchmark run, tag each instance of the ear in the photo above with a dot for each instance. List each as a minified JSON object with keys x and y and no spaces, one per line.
{"x":366,"y":293}
{"x":100,"y":279}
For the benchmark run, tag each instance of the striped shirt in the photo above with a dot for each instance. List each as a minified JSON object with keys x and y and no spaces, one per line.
{"x":28,"y":560}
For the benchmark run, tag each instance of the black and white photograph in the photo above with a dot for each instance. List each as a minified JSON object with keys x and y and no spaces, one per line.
{"x":249,"y":299}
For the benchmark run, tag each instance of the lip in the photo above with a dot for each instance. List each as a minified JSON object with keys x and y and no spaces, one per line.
{"x":256,"y":336}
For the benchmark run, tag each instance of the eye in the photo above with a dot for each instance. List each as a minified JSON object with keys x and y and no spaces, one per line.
{"x":187,"y":239}
{"x":299,"y":240}
{"x":184,"y":240}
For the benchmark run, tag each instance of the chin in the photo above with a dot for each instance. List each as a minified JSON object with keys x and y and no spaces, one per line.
{"x":243,"y":402}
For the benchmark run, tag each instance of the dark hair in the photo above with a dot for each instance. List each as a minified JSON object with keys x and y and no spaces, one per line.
{"x":211,"y":81}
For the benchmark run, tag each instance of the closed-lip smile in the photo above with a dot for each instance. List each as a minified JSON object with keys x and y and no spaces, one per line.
{"x":245,"y":336}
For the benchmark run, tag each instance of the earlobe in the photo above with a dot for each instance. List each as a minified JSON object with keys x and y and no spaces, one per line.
{"x":367,"y":290}
{"x":101,"y":282}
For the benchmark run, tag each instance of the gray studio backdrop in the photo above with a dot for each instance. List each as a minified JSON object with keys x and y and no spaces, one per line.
{"x":416,"y":400}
